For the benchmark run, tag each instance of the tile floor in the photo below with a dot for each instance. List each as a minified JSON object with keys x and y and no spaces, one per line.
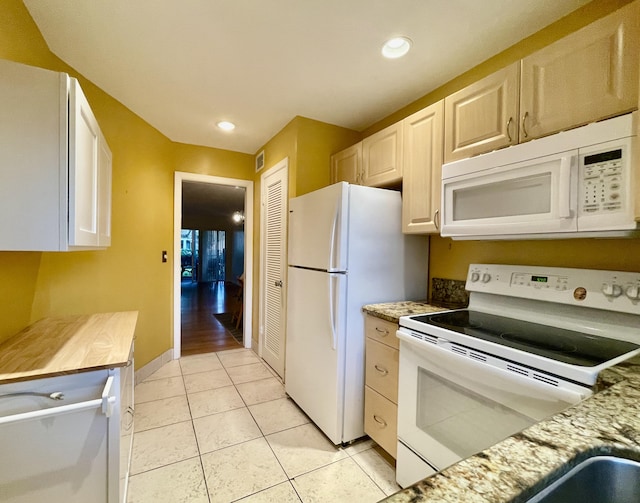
{"x":219,"y":427}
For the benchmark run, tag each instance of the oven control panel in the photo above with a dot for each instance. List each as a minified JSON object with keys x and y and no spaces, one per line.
{"x":610,"y":290}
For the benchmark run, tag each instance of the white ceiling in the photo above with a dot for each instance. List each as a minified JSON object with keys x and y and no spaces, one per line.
{"x":184,"y":65}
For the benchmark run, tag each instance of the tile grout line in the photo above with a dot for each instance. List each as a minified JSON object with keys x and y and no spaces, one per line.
{"x":349,"y":453}
{"x":195,"y":436}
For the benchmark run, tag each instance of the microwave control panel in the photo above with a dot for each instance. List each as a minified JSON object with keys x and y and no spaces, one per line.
{"x":602,"y":187}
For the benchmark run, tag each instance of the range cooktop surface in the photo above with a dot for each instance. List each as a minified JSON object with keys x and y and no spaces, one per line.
{"x":558,"y":344}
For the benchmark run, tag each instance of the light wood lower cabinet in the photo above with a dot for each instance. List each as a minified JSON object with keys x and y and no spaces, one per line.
{"x":381,"y":383}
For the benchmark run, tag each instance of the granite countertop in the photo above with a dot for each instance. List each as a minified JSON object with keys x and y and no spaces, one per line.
{"x":392,"y":311}
{"x":66,"y":345}
{"x":515,"y":469}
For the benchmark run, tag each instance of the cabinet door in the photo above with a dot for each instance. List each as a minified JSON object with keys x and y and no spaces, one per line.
{"x":381,"y":369}
{"x":381,"y":420}
{"x":104,"y":193}
{"x":346,"y":165}
{"x":483,"y":116}
{"x":589,"y":75}
{"x":381,"y":330}
{"x":382,"y":157}
{"x":84,"y":153}
{"x":422,"y":178}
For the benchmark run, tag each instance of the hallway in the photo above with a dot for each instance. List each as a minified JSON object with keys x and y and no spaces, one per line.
{"x":201,"y":331}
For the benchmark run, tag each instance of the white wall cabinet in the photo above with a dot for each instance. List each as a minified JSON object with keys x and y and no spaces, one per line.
{"x":55,"y":165}
{"x":68,"y":450}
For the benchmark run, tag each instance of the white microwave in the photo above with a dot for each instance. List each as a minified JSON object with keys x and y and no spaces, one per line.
{"x":577,"y":183}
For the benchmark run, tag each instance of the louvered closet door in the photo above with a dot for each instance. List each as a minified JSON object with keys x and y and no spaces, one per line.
{"x":274,"y":260}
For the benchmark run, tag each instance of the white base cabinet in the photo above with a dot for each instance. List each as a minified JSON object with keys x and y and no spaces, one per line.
{"x":68,"y":450}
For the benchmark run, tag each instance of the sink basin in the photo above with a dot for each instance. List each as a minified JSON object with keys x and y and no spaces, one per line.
{"x":600,"y":479}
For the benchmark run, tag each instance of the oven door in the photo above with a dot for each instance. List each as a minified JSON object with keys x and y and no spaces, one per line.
{"x":451,"y":406}
{"x":532,"y":197}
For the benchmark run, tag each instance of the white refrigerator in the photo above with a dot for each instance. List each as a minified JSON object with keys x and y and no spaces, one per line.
{"x":346,"y":249}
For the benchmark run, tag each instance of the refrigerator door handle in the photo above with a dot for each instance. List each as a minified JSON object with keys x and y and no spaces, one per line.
{"x":334,"y":229}
{"x":332,"y":308}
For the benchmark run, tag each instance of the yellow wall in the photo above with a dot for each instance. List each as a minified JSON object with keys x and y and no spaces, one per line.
{"x":130,"y":274}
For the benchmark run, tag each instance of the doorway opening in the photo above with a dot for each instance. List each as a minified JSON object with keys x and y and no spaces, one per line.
{"x":212,"y":263}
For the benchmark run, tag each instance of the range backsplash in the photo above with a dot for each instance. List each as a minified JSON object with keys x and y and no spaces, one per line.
{"x":449,"y":293}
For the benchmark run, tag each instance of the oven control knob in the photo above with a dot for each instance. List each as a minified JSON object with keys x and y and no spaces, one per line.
{"x":633,"y":292}
{"x":486,"y":277}
{"x":475,"y":277}
{"x":611,"y":290}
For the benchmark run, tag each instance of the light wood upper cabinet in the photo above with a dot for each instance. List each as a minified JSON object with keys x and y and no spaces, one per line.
{"x":483,"y":116}
{"x":346,"y":165}
{"x":422,"y":146}
{"x":382,"y":157}
{"x":589,"y":75}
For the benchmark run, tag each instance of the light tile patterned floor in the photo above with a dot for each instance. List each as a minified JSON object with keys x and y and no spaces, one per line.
{"x":219,"y":427}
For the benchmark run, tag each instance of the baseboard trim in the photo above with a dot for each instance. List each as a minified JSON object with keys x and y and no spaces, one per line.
{"x":142,"y":373}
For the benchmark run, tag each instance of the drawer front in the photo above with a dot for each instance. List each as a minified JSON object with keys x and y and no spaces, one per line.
{"x":382,"y":369}
{"x":382,"y":331}
{"x":380,"y":420}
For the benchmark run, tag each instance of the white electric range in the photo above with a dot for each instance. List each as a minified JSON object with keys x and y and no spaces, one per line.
{"x":531,"y":343}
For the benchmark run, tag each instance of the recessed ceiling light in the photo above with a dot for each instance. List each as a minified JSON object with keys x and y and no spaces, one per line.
{"x":227,"y":126}
{"x":396,"y":47}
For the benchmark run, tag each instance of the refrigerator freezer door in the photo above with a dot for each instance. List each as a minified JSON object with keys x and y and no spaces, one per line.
{"x":314,"y":362}
{"x":318,"y":229}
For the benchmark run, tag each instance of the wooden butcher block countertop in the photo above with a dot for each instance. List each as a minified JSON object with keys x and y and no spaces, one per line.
{"x":68,"y":345}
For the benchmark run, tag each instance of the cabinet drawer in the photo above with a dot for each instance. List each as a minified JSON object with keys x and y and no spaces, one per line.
{"x":381,"y":420}
{"x":382,"y":369}
{"x":382,"y":331}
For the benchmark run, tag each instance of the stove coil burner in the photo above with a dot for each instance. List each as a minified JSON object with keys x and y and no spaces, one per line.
{"x":555,"y":346}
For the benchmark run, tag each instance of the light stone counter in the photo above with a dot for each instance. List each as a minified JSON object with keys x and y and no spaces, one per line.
{"x":516,"y":468}
{"x":392,"y":311}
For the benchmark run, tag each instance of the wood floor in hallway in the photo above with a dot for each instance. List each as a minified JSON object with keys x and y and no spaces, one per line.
{"x":201,"y":332}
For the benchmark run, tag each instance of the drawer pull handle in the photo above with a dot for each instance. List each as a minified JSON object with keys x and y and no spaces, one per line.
{"x":380,"y":421}
{"x":380,"y":369}
{"x":508,"y":129}
{"x":382,"y":331}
